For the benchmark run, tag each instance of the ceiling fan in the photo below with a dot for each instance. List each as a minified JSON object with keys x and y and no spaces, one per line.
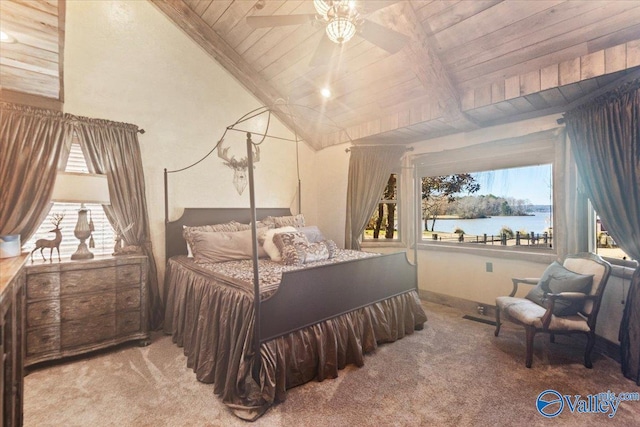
{"x":342,"y":20}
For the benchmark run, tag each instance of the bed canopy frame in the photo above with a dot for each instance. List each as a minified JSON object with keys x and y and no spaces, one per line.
{"x":279,"y":107}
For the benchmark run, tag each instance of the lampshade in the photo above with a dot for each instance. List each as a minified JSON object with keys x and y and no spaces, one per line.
{"x":73,"y":187}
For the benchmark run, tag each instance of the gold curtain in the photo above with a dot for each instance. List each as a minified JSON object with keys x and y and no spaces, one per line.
{"x":32,"y":147}
{"x":112,"y":148}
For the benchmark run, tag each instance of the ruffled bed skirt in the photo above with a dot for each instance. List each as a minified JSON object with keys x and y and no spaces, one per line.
{"x":213,"y":322}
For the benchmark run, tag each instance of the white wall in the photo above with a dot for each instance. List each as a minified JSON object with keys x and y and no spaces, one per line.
{"x":125,"y":61}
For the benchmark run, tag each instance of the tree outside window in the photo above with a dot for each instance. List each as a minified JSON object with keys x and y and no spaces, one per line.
{"x":384,"y":219}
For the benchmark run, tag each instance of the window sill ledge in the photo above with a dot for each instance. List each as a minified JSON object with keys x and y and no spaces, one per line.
{"x":383,"y":244}
{"x":545,"y":256}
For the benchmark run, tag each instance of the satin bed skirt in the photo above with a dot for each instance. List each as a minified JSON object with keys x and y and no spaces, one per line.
{"x":213,"y":322}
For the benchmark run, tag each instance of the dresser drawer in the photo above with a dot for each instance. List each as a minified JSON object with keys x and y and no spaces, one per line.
{"x":43,"y":285}
{"x":128,"y":275}
{"x":83,"y":306}
{"x":88,"y":331}
{"x":43,"y":340}
{"x":43,"y":313}
{"x":128,"y":323}
{"x":128,"y":299}
{"x":87,"y":280}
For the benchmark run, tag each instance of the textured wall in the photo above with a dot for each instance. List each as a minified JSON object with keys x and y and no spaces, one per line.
{"x":125,"y":61}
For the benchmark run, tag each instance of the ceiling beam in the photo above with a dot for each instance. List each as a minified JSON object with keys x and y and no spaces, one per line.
{"x":427,"y":66}
{"x":194,"y":26}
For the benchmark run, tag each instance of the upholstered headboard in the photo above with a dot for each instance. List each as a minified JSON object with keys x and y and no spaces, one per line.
{"x":175,"y":243}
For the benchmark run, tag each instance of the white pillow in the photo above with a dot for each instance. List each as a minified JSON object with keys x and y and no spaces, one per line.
{"x":269,"y":247}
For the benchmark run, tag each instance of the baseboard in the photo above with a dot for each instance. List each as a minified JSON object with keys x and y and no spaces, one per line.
{"x":470,"y":309}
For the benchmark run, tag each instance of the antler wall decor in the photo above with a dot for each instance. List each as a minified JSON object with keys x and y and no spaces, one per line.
{"x":239,"y":166}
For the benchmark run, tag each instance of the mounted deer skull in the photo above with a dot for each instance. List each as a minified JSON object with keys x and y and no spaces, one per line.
{"x":239,"y":166}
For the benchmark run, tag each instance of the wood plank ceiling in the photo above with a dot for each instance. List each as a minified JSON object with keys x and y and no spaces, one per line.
{"x":31,"y":60}
{"x":465,"y":65}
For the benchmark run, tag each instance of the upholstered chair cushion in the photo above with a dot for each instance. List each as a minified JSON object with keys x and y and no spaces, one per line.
{"x":557,"y":279}
{"x":529,"y":313}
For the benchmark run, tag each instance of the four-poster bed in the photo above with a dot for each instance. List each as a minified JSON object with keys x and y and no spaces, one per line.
{"x":254,"y":327}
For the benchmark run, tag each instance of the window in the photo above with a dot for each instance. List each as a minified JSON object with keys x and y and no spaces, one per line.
{"x":501,"y":207}
{"x":520,"y":178}
{"x":606,"y":246}
{"x":383,"y":225}
{"x":103,"y":234}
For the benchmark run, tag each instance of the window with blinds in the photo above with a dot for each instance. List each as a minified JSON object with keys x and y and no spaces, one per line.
{"x":103,"y":234}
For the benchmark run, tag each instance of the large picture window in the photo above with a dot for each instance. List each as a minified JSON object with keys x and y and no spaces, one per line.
{"x":505,"y":194}
{"x":103,"y":235}
{"x":501,"y":207}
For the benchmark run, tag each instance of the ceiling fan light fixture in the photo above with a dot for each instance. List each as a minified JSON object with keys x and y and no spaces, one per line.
{"x":340,"y":30}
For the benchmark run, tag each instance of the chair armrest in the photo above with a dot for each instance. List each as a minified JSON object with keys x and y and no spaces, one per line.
{"x":574,"y":296}
{"x":525,"y":280}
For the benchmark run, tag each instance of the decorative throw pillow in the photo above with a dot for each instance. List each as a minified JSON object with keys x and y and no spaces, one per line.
{"x":285,"y":221}
{"x":294,"y":238}
{"x":297,"y":250}
{"x":223,"y":245}
{"x":312,"y":233}
{"x":556,"y":279}
{"x":188,"y":230}
{"x":266,"y":240}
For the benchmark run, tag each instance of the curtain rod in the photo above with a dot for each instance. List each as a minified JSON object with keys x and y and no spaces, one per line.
{"x":346,"y":150}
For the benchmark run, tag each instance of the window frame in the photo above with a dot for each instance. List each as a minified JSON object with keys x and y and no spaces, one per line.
{"x":530,"y":150}
{"x":103,"y":247}
{"x":397,"y":239}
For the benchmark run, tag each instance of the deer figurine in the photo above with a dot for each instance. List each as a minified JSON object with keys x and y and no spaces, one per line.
{"x":239,"y":166}
{"x":42,"y":244}
{"x":118,"y":249}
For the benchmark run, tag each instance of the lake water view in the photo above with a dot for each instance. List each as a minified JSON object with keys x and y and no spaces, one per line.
{"x":537,"y":223}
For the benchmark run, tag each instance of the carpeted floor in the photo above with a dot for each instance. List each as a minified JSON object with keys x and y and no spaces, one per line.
{"x":452,"y":373}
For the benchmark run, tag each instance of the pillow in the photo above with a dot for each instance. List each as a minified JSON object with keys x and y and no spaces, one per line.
{"x":312,"y":233}
{"x":223,"y":245}
{"x":266,"y":240}
{"x":556,"y":279}
{"x":294,"y":238}
{"x":188,"y":230}
{"x":298,"y":254}
{"x":284,"y":221}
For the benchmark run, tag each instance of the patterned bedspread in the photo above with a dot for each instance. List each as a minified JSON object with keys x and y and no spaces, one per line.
{"x":240,"y":273}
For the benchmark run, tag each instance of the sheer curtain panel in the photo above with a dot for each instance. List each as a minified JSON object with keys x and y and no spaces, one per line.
{"x":369,"y":170}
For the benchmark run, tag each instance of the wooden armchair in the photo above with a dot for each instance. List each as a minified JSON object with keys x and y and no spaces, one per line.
{"x":554,"y":314}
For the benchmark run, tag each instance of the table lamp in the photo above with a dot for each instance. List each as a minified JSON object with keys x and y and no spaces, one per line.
{"x":73,"y":187}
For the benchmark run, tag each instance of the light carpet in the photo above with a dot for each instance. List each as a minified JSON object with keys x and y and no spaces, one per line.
{"x":452,"y":373}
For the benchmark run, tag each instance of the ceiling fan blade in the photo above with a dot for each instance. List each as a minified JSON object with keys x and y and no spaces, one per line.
{"x":390,"y":40}
{"x":324,"y":52}
{"x":278,"y":20}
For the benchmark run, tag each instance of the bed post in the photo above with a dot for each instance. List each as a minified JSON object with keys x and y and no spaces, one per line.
{"x":254,"y":241}
{"x":166,"y":214}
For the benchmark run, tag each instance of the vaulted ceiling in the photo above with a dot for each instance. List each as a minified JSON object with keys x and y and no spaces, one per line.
{"x":465,"y":64}
{"x":462,"y":64}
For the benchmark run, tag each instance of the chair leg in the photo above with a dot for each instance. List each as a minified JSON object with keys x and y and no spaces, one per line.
{"x":552,"y":338}
{"x":531,"y":332}
{"x":591,"y":340}
{"x":497,"y":331}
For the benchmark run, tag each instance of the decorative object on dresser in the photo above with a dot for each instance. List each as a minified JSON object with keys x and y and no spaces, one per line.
{"x":42,"y":244}
{"x":81,"y":188}
{"x":76,"y":307}
{"x":118,"y":249}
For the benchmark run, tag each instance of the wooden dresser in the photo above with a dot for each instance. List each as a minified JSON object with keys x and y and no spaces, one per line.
{"x":73,"y":307}
{"x":11,"y":339}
